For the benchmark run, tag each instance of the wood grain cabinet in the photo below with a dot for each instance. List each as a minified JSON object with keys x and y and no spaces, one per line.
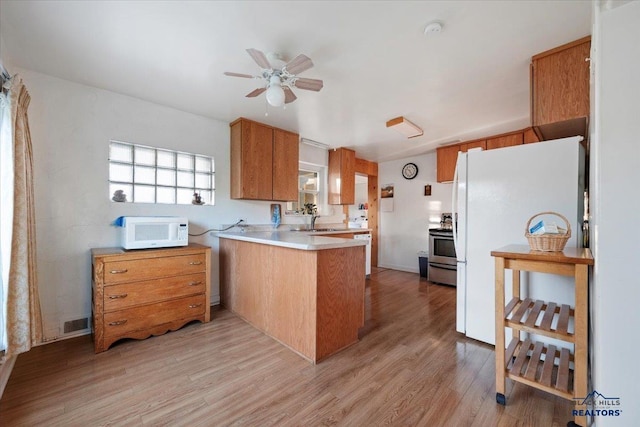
{"x":505,"y":141}
{"x":141,"y":293}
{"x":560,"y":83}
{"x":264,"y":162}
{"x":342,"y":176}
{"x":446,"y":158}
{"x":554,"y":368}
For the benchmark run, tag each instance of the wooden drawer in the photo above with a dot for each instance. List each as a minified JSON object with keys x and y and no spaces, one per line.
{"x":143,"y":269}
{"x":125,"y":295}
{"x":119,"y":323}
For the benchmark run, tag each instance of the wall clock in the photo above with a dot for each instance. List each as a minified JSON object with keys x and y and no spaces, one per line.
{"x":409,"y":171}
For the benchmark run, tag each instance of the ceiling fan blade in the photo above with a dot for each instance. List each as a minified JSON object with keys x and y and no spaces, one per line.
{"x":308,"y":84}
{"x":247,"y":76}
{"x":289,"y":96}
{"x":298,"y":64}
{"x":260,"y":58}
{"x":256,"y":92}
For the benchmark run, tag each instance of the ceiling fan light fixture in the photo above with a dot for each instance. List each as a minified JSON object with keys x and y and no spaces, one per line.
{"x":405,"y":127}
{"x":275,"y":93}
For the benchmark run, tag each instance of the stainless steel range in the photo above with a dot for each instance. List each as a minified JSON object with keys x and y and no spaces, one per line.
{"x":442,"y":253}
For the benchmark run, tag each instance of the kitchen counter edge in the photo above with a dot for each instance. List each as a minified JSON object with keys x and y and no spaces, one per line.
{"x":295,"y":239}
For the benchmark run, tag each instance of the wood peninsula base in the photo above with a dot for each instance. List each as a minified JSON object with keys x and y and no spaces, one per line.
{"x":312,"y":301}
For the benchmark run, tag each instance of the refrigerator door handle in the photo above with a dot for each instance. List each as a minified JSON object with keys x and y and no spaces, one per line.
{"x":454,"y":200}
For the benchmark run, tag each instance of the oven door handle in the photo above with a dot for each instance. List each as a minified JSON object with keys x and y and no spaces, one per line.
{"x":443,"y":266}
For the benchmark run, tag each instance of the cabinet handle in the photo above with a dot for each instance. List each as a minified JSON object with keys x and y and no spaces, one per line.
{"x":195,"y":283}
{"x":118,"y":322}
{"x":195,"y":305}
{"x":118,"y":271}
{"x":118,"y":296}
{"x":195,"y":263}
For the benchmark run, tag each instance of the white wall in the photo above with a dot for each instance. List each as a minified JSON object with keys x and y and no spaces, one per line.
{"x":71,"y":126}
{"x":404,"y":232}
{"x":615,"y":162}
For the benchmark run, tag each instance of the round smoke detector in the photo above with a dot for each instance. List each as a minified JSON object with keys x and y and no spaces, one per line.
{"x":434,"y":27}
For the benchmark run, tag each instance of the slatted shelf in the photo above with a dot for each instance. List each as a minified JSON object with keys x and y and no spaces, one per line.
{"x":523,"y":315}
{"x":544,"y":367}
{"x":527,"y":359}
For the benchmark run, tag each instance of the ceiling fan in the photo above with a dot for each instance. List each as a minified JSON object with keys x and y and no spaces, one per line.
{"x":280,"y":77}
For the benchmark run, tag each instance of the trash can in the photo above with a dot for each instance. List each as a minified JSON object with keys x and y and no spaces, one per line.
{"x":423,"y":259}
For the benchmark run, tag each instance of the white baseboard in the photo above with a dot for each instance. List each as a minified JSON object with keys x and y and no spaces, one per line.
{"x":5,"y":372}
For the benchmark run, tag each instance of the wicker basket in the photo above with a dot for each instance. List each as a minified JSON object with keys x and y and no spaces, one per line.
{"x":547,"y":242}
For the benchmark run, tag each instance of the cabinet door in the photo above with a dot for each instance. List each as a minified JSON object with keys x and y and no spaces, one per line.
{"x":505,"y":141}
{"x":251,"y":161}
{"x":560,"y":83}
{"x":530,"y":136}
{"x":342,"y":176}
{"x":285,"y":165}
{"x":473,"y":144}
{"x":446,"y":162}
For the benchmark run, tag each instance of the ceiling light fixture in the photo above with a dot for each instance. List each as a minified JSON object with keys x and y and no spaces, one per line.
{"x":405,"y":127}
{"x":275,"y":93}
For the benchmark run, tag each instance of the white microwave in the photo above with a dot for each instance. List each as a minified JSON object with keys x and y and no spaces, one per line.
{"x":143,"y":232}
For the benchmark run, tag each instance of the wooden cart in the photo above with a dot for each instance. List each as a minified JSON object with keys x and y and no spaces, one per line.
{"x":526,"y":361}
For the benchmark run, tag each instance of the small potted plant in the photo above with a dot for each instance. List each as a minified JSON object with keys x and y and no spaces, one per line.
{"x":309,"y":209}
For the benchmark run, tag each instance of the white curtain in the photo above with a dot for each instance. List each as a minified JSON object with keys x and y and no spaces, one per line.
{"x":23,"y":323}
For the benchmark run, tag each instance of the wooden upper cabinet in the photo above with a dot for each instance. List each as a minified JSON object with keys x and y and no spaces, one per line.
{"x":560,"y":83}
{"x":264,"y":162}
{"x":529,"y":136}
{"x":505,"y":141}
{"x":285,"y":150}
{"x":342,"y":176}
{"x":446,"y":162}
{"x":473,"y":144}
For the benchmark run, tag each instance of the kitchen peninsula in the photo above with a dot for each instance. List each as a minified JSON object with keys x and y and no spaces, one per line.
{"x":305,"y":291}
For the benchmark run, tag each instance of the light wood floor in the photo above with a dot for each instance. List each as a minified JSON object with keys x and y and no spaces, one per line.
{"x":410,"y":368}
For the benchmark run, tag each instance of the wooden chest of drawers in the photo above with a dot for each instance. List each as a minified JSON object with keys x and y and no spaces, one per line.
{"x":141,"y":293}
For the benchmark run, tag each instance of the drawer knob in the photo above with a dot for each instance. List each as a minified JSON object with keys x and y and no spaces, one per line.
{"x":195,"y":305}
{"x":118,"y":271}
{"x":118,"y":322}
{"x":118,"y":296}
{"x":195,"y":263}
{"x":195,"y":283}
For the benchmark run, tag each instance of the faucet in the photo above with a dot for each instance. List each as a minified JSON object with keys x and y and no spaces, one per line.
{"x":313,"y":220}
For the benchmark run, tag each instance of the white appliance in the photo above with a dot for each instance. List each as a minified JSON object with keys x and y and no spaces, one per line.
{"x":495,"y":192}
{"x":367,"y":256}
{"x":142,"y":232}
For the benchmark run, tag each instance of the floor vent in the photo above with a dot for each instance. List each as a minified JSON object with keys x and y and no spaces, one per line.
{"x":76,"y":325}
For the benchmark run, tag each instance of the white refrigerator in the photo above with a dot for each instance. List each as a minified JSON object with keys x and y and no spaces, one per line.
{"x":495,"y":193}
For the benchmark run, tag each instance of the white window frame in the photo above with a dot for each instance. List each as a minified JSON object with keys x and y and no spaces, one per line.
{"x":321,"y":192}
{"x":131,"y":198}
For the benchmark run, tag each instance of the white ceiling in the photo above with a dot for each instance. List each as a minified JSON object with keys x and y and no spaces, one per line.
{"x":471,"y":80}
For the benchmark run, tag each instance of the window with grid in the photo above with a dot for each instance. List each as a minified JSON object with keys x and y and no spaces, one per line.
{"x":142,"y":174}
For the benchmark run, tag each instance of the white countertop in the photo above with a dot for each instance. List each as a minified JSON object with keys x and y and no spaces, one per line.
{"x":304,"y":240}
